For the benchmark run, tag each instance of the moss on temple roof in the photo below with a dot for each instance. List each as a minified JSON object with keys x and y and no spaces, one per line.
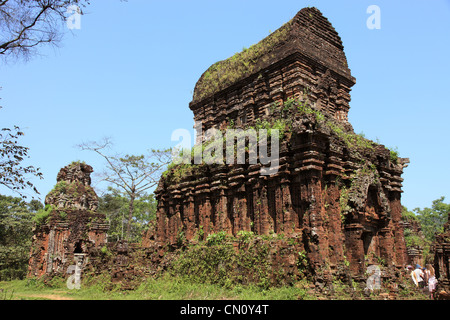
{"x":226,"y":72}
{"x":307,"y":33}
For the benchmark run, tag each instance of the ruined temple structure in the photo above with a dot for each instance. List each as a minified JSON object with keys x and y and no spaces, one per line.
{"x":441,"y":248}
{"x":70,"y":228}
{"x":414,"y":252}
{"x":335,"y":192}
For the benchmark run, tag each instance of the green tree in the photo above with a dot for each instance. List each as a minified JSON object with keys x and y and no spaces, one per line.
{"x":16,"y":223}
{"x":116,"y":205}
{"x":414,"y":238}
{"x":432,"y":219}
{"x":133,"y":175}
{"x":13,"y":174}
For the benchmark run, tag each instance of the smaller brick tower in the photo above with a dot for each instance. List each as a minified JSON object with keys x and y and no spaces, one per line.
{"x":441,"y":248}
{"x":69,"y":228}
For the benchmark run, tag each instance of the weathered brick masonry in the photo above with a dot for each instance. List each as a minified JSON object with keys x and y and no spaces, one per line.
{"x":73,"y":229}
{"x":337,"y":191}
{"x":335,"y":196}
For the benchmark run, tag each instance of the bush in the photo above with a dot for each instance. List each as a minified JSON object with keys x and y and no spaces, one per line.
{"x":394,"y":155}
{"x":219,"y":263}
{"x":42,"y":215}
{"x":217,"y":238}
{"x":245,"y":236}
{"x":206,"y":264}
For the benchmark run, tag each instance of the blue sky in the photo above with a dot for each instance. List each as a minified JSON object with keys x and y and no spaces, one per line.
{"x":130,"y":71}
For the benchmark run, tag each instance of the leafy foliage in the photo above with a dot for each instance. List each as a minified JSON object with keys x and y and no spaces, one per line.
{"x":432,"y":219}
{"x":42,"y":215}
{"x":221,"y":264}
{"x":13,"y":174}
{"x":352,"y":140}
{"x":394,"y":155}
{"x":218,"y":261}
{"x":274,"y":124}
{"x":219,"y":238}
{"x":115,"y":205}
{"x":16,"y":223}
{"x":431,"y":222}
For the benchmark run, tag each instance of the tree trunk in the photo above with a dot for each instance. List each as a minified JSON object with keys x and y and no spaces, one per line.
{"x":130,"y":216}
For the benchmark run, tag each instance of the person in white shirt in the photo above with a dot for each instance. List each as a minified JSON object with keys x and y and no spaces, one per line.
{"x":417,"y":276}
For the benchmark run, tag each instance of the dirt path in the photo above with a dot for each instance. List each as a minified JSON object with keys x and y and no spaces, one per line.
{"x":44,"y":296}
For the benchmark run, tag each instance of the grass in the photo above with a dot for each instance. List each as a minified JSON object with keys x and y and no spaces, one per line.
{"x":175,"y":288}
{"x":208,"y":271}
{"x":169,"y":287}
{"x":163,"y":288}
{"x":30,"y":289}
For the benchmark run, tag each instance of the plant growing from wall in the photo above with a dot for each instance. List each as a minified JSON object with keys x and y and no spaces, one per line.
{"x":41,"y":217}
{"x":223,"y":73}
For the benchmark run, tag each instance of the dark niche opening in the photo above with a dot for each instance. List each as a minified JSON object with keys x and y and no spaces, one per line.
{"x":78,"y":247}
{"x":367,"y":241}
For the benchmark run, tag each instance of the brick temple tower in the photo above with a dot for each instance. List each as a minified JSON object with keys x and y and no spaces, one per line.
{"x":70,"y":227}
{"x":336,"y":191}
{"x":441,"y":249}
